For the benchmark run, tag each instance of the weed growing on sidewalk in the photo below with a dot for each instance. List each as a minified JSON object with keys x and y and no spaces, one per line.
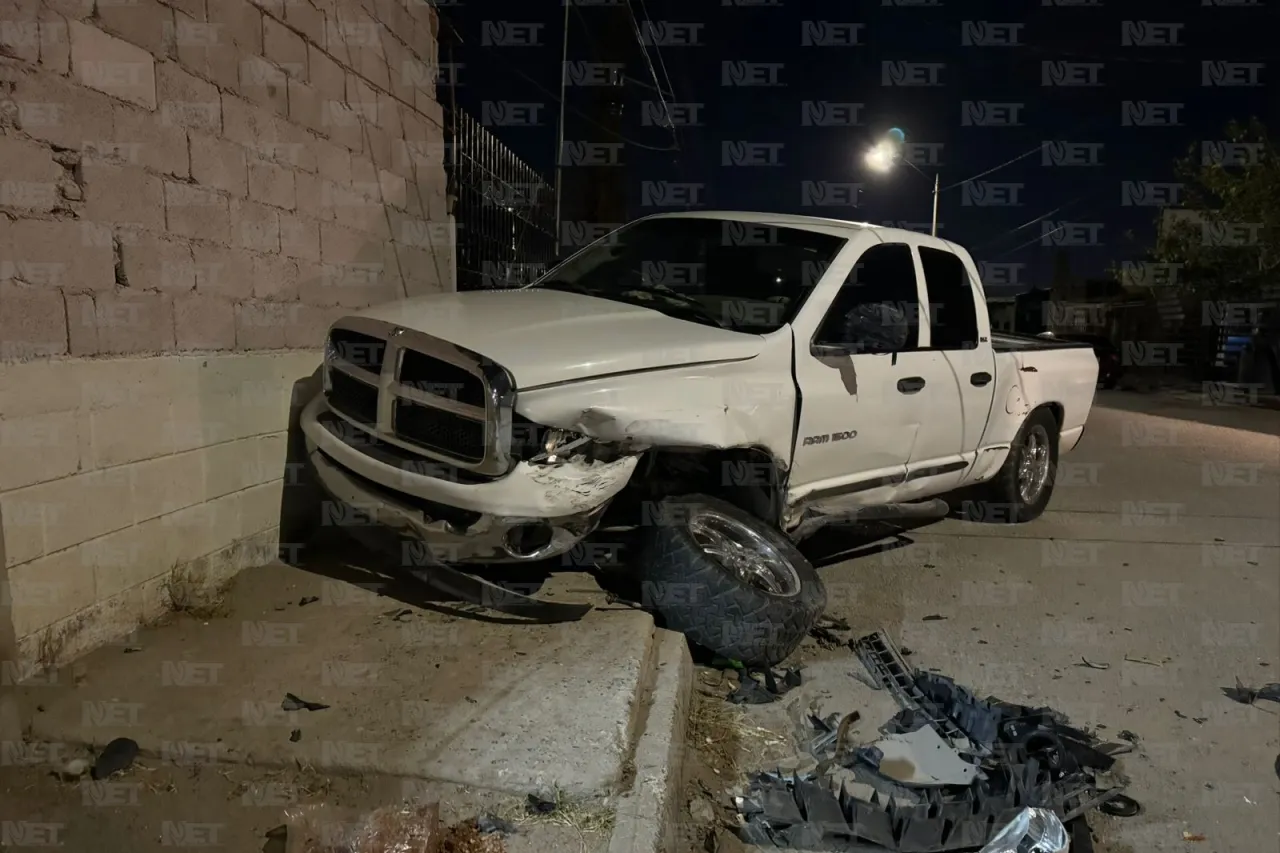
{"x":188,"y":590}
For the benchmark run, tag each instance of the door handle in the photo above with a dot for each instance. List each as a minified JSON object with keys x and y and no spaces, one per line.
{"x":911,"y":384}
{"x":980,"y":379}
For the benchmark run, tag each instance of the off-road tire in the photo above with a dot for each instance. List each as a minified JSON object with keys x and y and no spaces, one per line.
{"x":998,"y":501}
{"x":709,"y":604}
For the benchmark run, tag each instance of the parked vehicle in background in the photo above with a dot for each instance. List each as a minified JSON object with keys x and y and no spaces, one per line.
{"x":716,"y":386}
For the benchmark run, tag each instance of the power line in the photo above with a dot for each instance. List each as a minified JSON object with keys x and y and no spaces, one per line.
{"x":644,"y":51}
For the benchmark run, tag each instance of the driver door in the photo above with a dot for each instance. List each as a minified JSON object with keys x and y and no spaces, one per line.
{"x":859,"y":375}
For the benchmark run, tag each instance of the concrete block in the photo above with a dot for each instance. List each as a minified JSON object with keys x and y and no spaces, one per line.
{"x":373,"y":67}
{"x":193,"y":9}
{"x":394,"y":189}
{"x":275,"y":278}
{"x":223,"y":271}
{"x":313,"y":195}
{"x":219,"y":164}
{"x":310,"y":324}
{"x":145,"y":23}
{"x":261,"y":325}
{"x":123,"y":434}
{"x":49,"y":589}
{"x":31,"y":324}
{"x":285,"y":48}
{"x":306,"y":19}
{"x":186,"y":100}
{"x":38,"y":448}
{"x":51,"y":109}
{"x":339,"y":245}
{"x":123,"y":194}
{"x":30,"y":179}
{"x":265,"y":84}
{"x":389,"y":120}
{"x":325,"y":75}
{"x":23,"y":519}
{"x":272,"y":184}
{"x":229,"y":467}
{"x":197,"y":212}
{"x":20,"y":35}
{"x":343,"y":125}
{"x":305,"y":106}
{"x":83,"y":507}
{"x":362,"y":97}
{"x":241,"y":21}
{"x":363,"y":171}
{"x":124,"y":559}
{"x":299,"y":236}
{"x":56,"y":254}
{"x":295,"y":147}
{"x":254,"y":226}
{"x":207,"y":50}
{"x":168,"y":484}
{"x":55,"y":43}
{"x":120,"y":323}
{"x":111,"y":65}
{"x":74,"y":10}
{"x":150,"y":142}
{"x":163,"y":264}
{"x":204,"y":322}
{"x":333,"y":162}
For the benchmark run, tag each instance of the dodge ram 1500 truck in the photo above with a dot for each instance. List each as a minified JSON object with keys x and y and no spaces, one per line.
{"x":719,"y":384}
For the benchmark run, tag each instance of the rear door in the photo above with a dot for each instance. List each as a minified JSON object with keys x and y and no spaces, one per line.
{"x":958,"y":334}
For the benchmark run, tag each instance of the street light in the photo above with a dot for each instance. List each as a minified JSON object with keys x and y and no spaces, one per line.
{"x":884,"y":156}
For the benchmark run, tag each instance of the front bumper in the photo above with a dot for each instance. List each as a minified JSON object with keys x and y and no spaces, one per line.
{"x":532,"y":513}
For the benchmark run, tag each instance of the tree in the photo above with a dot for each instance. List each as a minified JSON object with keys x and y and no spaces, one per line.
{"x":1225,"y":237}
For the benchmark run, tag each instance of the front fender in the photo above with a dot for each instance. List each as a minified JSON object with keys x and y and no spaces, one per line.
{"x":720,"y":406}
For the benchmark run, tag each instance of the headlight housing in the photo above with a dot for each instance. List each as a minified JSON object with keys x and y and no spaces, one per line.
{"x":555,"y":443}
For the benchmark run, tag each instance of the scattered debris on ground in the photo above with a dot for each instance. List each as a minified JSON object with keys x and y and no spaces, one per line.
{"x":293,"y":703}
{"x":116,"y":756}
{"x":751,"y":692}
{"x":1085,"y":662}
{"x":949,"y":772}
{"x":1249,"y":695}
{"x":824,"y":632}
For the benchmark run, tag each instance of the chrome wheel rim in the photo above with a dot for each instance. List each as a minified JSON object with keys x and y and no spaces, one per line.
{"x":744,"y":553}
{"x":1033,"y":464}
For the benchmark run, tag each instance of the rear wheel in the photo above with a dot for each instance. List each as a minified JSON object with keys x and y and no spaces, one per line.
{"x":731,"y":583}
{"x":1021,"y":490}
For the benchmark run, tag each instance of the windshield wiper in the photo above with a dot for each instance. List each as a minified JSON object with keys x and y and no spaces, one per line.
{"x":691,"y":307}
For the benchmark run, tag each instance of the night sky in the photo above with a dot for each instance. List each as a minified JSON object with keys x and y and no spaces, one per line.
{"x":945,"y":60}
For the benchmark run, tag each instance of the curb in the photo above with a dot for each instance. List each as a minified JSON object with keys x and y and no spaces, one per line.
{"x":648,"y":816}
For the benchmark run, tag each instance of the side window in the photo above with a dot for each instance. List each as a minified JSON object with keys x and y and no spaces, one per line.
{"x":953,"y":317}
{"x":877,"y":308}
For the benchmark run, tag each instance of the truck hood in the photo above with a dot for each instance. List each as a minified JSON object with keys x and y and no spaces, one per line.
{"x":549,"y":336}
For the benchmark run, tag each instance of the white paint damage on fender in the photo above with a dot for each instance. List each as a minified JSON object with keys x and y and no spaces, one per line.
{"x":577,"y":485}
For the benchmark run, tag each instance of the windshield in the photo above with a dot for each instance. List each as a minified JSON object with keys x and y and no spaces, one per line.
{"x":736,"y":275}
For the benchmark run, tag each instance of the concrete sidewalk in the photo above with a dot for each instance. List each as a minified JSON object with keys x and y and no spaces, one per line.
{"x":415,"y":689}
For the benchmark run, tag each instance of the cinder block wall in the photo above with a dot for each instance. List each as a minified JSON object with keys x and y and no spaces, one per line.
{"x":190,"y":192}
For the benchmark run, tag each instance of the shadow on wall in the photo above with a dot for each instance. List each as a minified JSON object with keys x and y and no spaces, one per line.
{"x":300,"y":494}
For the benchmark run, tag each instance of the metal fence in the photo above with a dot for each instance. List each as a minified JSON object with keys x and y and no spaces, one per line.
{"x":504,"y":210}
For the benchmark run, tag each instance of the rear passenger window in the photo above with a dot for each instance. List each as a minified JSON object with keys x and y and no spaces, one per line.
{"x":952,"y":312}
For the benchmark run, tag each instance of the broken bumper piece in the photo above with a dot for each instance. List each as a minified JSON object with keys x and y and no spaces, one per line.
{"x":1024,"y":759}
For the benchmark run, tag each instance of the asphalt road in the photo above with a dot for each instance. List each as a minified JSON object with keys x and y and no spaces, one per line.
{"x":1159,"y":560}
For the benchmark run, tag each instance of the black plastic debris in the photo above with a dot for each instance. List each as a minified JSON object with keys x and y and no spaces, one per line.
{"x":1249,"y":695}
{"x":489,"y":824}
{"x":933,"y":617}
{"x":293,"y":703}
{"x":116,"y":756}
{"x":308,"y":599}
{"x":751,"y":692}
{"x":535,"y":804}
{"x":1278,"y":766}
{"x":825,"y":633}
{"x":295,"y":735}
{"x":1027,"y":757}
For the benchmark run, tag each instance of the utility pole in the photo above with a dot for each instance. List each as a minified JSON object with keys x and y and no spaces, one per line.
{"x":933,"y":232}
{"x":596,"y":191}
{"x":564,"y":76}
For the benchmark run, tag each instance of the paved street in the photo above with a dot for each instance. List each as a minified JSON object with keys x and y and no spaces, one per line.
{"x":1159,"y":559}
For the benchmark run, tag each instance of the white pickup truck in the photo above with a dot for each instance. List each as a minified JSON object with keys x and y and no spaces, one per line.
{"x":719,"y":384}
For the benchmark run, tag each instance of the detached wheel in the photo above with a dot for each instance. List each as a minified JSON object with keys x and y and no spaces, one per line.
{"x":1022,"y":489}
{"x":728,"y":581}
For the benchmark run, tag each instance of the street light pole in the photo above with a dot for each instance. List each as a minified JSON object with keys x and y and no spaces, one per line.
{"x":564,"y":75}
{"x":933,"y":232}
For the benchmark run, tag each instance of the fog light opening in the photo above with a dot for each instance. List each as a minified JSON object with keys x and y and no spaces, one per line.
{"x":526,"y":540}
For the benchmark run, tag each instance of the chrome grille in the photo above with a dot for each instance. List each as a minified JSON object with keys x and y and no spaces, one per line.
{"x":422,"y":394}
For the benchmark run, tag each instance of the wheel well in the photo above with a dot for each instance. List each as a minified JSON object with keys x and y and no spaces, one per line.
{"x":1054,"y":409}
{"x":750,"y":478}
